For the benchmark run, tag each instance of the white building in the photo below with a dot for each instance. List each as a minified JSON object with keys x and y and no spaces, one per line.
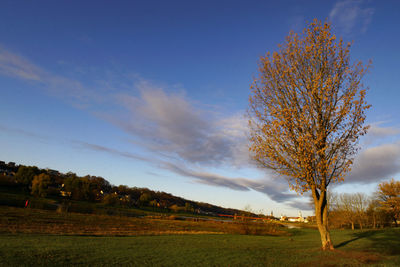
{"x":300,"y":218}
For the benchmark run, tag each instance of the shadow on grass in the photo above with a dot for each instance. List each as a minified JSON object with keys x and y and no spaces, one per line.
{"x":383,"y":241}
{"x":357,"y":236}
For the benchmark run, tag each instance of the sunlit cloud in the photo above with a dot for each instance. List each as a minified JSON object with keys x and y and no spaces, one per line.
{"x":378,"y":131}
{"x":171,"y":124}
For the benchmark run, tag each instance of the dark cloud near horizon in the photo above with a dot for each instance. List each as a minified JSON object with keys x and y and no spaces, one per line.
{"x":375,"y":164}
{"x":276,"y":190}
{"x":208,"y":178}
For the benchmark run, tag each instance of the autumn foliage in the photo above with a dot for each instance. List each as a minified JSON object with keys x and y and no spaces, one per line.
{"x":307,"y":110}
{"x":389,"y":197}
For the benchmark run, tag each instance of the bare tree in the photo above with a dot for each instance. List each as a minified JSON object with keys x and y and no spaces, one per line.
{"x":346,"y":208}
{"x":352,"y":208}
{"x":373,"y":212}
{"x":360,"y":202}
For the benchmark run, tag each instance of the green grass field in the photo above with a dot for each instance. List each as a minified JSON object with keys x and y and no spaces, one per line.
{"x":32,"y":237}
{"x":380,"y":248}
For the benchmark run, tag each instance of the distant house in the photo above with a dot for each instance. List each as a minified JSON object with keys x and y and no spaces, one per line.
{"x":300,"y":218}
{"x":7,"y":169}
{"x":295,"y":219}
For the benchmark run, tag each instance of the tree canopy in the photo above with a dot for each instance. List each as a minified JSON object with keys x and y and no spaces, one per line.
{"x":307,"y":112}
{"x":389,"y":197}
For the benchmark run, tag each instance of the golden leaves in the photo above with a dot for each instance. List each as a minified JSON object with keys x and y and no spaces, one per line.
{"x":307,"y":109}
{"x":389,"y":196}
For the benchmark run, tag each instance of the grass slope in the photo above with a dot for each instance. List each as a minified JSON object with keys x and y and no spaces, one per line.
{"x":31,"y":221}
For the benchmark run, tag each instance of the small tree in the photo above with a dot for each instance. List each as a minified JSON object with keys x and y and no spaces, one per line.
{"x":25,"y":175}
{"x":77,"y":186}
{"x":40,"y":184}
{"x":361,"y":203}
{"x":372,"y":212}
{"x":188,"y":207}
{"x":307,"y":111}
{"x":389,"y":197}
{"x":346,"y":207}
{"x":111,"y":199}
{"x":145,"y":199}
{"x":175,"y":208}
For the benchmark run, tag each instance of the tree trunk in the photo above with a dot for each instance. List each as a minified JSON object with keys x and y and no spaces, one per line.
{"x":374,"y":218}
{"x":352,"y":225}
{"x":321,"y":214}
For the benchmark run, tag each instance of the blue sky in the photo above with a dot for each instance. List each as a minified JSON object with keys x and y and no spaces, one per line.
{"x":153,"y":93}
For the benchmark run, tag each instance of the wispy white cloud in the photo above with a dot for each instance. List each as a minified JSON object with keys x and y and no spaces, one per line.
{"x":111,"y":151}
{"x":16,"y":66}
{"x":351,"y":15}
{"x":74,"y":91}
{"x":378,"y":131}
{"x":25,"y":133}
{"x":171,"y":124}
{"x":297,"y":23}
{"x":75,"y":143}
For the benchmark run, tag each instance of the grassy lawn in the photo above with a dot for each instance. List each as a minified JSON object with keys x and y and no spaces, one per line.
{"x":380,"y":248}
{"x":33,"y":237}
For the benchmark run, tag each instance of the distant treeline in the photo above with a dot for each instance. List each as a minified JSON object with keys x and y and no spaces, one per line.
{"x":47,"y":183}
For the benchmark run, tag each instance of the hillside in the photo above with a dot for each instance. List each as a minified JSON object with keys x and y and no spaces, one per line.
{"x":69,"y":190}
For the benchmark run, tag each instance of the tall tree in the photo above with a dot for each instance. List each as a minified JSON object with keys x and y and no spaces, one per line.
{"x":307,"y":110}
{"x":389,"y":198}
